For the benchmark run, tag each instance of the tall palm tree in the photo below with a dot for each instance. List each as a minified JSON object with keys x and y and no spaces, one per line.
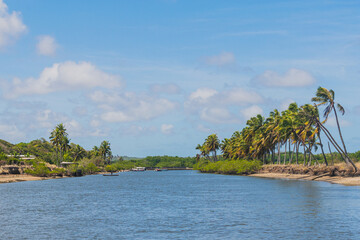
{"x":327,"y":97}
{"x":57,"y":139}
{"x":105,"y":151}
{"x":323,"y":97}
{"x":213,"y":143}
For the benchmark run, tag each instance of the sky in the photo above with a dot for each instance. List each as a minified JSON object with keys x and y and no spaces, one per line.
{"x":156,"y":77}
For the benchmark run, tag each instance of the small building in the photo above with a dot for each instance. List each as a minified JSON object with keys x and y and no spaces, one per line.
{"x":23,"y":157}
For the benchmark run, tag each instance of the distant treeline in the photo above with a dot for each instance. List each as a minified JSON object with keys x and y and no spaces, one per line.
{"x":155,"y":162}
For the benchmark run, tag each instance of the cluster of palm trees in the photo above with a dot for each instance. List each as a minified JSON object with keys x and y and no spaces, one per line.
{"x":104,"y":151}
{"x":298,"y":127}
{"x":211,"y":145}
{"x":59,"y":139}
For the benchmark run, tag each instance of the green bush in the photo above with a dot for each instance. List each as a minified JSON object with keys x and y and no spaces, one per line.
{"x":39,"y":170}
{"x":110,"y":168}
{"x":58,"y":172}
{"x":240,"y":167}
{"x":91,"y":168}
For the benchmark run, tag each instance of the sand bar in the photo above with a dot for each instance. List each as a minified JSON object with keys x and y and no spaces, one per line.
{"x":347,"y":181}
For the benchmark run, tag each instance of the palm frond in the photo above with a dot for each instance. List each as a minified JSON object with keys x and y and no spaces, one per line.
{"x":340,"y":108}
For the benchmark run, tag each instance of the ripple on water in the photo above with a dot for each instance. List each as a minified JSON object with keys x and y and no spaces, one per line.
{"x":177,"y":205}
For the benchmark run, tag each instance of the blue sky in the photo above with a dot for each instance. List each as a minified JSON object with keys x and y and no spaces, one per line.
{"x":157,"y":77}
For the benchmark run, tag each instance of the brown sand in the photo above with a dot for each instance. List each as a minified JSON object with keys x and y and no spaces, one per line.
{"x":9,"y":178}
{"x":347,"y":181}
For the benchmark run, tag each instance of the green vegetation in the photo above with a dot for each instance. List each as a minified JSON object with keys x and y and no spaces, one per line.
{"x":241,"y":167}
{"x":279,"y":138}
{"x":156,"y":162}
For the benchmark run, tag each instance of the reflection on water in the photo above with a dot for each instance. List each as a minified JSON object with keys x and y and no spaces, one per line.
{"x":178,"y":205}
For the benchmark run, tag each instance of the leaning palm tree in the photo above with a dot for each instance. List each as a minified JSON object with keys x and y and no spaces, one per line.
{"x":327,"y":97}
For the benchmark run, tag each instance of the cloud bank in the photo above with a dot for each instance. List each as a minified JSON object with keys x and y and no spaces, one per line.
{"x":11,"y":25}
{"x":292,"y":78}
{"x":64,"y":76}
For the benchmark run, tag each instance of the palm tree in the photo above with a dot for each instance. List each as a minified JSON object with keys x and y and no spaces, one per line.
{"x":105,"y":150}
{"x":323,"y":97}
{"x":213,"y":143}
{"x":78,"y":152}
{"x":57,"y":138}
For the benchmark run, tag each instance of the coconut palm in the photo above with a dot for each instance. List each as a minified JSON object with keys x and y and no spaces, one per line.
{"x":105,"y":150}
{"x":212,"y":142}
{"x":57,"y":139}
{"x":327,"y":97}
{"x":78,"y":152}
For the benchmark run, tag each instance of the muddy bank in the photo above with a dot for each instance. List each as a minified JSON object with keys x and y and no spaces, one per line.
{"x":338,"y":174}
{"x":10,"y":178}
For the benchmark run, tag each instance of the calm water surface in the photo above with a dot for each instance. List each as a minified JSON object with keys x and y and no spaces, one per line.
{"x":178,"y":205}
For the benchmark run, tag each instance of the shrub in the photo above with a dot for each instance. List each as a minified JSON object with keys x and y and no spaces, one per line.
{"x":110,"y":168}
{"x":58,"y":172}
{"x":39,"y":170}
{"x":91,"y":168}
{"x":229,"y":167}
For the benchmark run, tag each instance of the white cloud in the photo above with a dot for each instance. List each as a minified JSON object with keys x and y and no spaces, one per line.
{"x":223,"y":59}
{"x":207,"y":97}
{"x":202,"y":128}
{"x":46,"y":46}
{"x":285,"y":104}
{"x":167,"y":128}
{"x":128,"y":107}
{"x":292,"y":78}
{"x":165,"y":88}
{"x":217,"y":115}
{"x":10,"y":132}
{"x":64,"y":76}
{"x":136,"y":130}
{"x":251,"y":111}
{"x":213,"y":106}
{"x":239,"y":96}
{"x":201,"y":95}
{"x":11,"y":25}
{"x":332,"y":122}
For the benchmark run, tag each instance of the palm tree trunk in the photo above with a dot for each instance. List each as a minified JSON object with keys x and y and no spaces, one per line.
{"x":337,"y":147}
{"x":278,"y":161}
{"x":285,"y":153}
{"x":297,"y":153}
{"x":332,"y":157}
{"x":292,"y":154}
{"x":310,"y":147}
{"x":322,"y":148}
{"x":338,"y":125}
{"x":304,"y":155}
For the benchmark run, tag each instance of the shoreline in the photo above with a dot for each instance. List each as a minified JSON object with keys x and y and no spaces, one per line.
{"x":13,"y":178}
{"x":346,"y":181}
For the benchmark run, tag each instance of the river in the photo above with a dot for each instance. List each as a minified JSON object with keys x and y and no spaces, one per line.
{"x":178,"y":205}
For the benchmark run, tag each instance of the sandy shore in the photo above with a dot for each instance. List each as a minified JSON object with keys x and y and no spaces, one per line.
{"x":9,"y":178}
{"x":347,"y":181}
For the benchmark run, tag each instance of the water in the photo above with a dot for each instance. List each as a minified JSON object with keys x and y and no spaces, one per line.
{"x":178,"y":205}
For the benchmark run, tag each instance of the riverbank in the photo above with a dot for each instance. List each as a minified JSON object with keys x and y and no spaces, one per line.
{"x":11,"y":178}
{"x":337,"y":174}
{"x":347,"y":181}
